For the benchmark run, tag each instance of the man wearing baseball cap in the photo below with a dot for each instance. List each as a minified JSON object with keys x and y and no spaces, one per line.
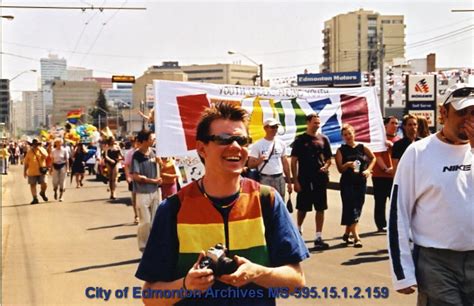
{"x":432,"y":198}
{"x":35,"y":159}
{"x":268,"y":155}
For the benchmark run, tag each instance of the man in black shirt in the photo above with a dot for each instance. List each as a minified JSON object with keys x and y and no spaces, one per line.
{"x":310,"y":161}
{"x":410,"y":129}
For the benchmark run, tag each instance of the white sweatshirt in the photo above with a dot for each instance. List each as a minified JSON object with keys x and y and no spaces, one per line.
{"x":432,"y":203}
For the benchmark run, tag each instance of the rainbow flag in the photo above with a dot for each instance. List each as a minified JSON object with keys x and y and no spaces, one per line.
{"x":73,"y":115}
{"x":181,"y":105}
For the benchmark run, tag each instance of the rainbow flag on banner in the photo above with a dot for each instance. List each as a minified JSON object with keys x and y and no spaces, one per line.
{"x":181,"y":104}
{"x":73,"y":115}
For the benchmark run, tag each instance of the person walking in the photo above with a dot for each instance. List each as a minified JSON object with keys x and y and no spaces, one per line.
{"x":432,"y":209}
{"x":113,"y":156}
{"x":268,"y":155}
{"x":60,"y":160}
{"x":146,"y":182}
{"x":310,"y":161}
{"x":78,"y":164}
{"x":130,"y":148}
{"x":4,"y":157}
{"x":382,"y":175}
{"x":35,"y":170}
{"x":355,"y":162}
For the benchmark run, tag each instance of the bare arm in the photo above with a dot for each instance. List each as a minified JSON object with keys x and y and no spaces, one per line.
{"x":196,"y":279}
{"x":286,"y":170}
{"x":255,"y":162}
{"x":294,"y":173}
{"x":368,"y":152}
{"x":141,"y":179}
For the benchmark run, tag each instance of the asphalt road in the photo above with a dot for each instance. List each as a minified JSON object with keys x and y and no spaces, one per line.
{"x":56,"y":253}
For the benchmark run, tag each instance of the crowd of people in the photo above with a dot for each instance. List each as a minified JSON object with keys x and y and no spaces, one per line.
{"x":269,"y":248}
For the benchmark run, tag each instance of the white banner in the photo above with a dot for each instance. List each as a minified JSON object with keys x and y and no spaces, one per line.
{"x":178,"y":107}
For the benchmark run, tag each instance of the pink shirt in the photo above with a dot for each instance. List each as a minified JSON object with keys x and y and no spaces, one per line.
{"x":128,"y":157}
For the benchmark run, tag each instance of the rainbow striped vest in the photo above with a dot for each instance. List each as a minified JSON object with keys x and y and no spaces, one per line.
{"x":200,"y":225}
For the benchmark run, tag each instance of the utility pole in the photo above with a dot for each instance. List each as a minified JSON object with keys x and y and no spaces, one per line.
{"x":381,"y":50}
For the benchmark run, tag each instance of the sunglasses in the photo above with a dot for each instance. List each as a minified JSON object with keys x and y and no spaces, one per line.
{"x":226,"y":139}
{"x":464,"y":112}
{"x":273,"y":127}
{"x":460,"y":93}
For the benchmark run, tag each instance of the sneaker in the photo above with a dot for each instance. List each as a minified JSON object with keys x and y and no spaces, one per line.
{"x":60,"y":198}
{"x":55,"y":194}
{"x":35,"y":201}
{"x":357,"y":243}
{"x":320,"y":244}
{"x":43,"y":196}
{"x":381,"y":230}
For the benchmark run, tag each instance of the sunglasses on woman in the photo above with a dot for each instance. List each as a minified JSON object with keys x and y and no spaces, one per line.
{"x":227,"y":139}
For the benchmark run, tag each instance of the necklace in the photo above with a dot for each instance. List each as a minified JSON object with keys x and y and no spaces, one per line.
{"x":210,"y":198}
{"x":441,"y":134}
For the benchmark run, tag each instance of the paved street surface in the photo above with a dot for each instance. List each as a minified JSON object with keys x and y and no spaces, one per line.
{"x":53,"y":251}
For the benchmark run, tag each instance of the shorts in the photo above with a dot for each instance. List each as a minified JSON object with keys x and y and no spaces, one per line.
{"x":307,"y":198}
{"x":444,"y":277}
{"x":40,"y":179}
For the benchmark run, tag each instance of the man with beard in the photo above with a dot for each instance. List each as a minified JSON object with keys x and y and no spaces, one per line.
{"x":432,"y":205}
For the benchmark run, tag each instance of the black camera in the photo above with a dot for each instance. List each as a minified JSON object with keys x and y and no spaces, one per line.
{"x":216,"y":259}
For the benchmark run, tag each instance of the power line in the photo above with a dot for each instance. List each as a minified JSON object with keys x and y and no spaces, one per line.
{"x":83,"y":8}
{"x":100,"y":32}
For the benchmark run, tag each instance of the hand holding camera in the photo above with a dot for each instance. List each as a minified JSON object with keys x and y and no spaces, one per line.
{"x":216,"y":259}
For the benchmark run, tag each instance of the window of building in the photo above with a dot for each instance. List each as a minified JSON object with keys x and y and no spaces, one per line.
{"x":372,"y":22}
{"x":205,"y":79}
{"x":386,"y":21}
{"x":204,"y":71}
{"x":397,"y":21}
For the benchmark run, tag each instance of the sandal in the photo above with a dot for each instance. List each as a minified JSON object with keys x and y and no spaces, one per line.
{"x":136,"y":220}
{"x":347,"y":239}
{"x":357,"y":243}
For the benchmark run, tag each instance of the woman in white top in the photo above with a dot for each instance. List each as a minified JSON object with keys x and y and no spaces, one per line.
{"x":60,"y":158}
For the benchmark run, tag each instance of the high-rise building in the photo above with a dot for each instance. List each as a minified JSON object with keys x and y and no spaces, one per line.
{"x":5,"y":103}
{"x":53,"y":68}
{"x":32,"y":102}
{"x":356,"y":41}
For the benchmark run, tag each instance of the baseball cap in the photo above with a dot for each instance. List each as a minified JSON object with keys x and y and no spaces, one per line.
{"x":271,"y":122}
{"x":460,"y":96}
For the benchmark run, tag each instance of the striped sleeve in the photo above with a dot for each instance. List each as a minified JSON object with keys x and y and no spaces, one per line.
{"x":402,"y":204}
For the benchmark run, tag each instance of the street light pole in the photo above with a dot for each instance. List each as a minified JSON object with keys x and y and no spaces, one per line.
{"x":260,"y":66}
{"x":106,"y":114}
{"x":23,"y":72}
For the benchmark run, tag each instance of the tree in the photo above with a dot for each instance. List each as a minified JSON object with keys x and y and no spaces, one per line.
{"x":101,"y":109}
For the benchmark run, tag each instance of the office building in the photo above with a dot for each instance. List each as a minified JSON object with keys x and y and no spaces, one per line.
{"x":72,"y":95}
{"x":356,"y":41}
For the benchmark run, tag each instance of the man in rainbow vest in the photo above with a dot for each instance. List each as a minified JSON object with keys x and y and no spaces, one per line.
{"x":249,"y":219}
